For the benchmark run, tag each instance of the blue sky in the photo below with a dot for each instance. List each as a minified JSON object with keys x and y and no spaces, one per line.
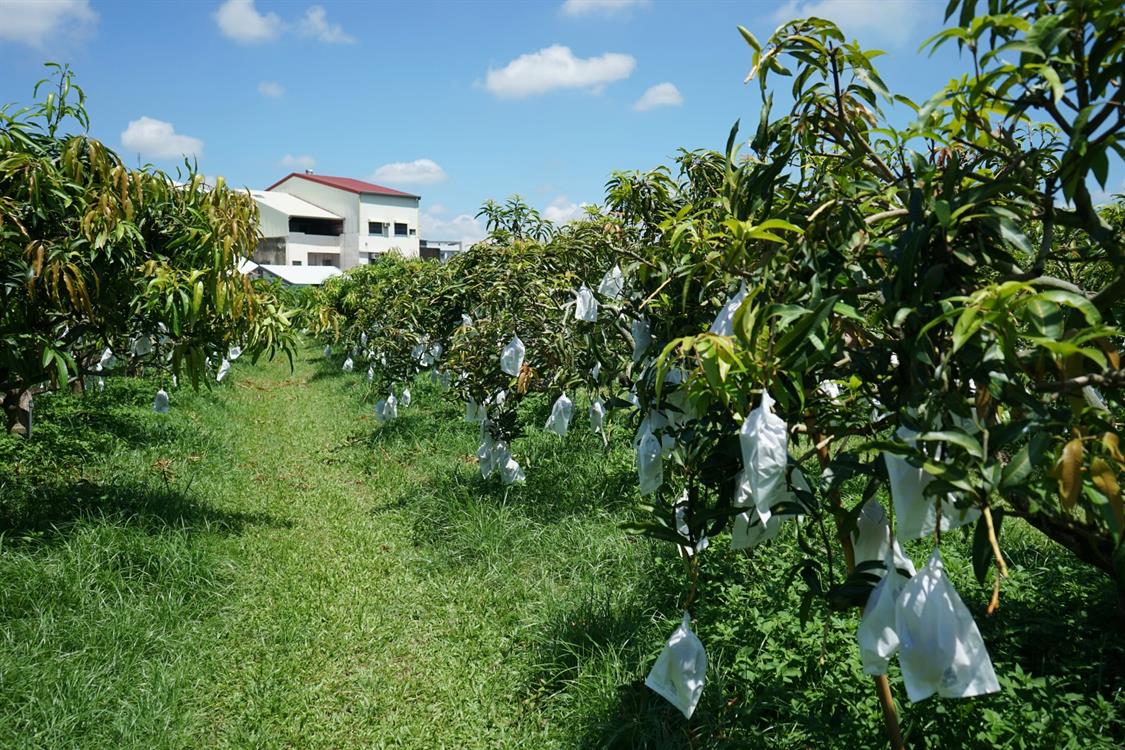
{"x":456,"y":101}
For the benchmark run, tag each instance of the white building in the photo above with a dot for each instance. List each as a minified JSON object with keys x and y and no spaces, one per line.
{"x":311,"y":219}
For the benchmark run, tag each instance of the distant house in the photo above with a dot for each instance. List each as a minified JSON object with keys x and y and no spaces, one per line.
{"x":318,"y":220}
{"x":290,"y":275}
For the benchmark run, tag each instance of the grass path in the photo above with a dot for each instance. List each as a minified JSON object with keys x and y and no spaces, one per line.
{"x":310,"y":580}
{"x":265,"y":567}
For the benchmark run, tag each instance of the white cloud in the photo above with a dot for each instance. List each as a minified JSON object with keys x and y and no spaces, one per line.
{"x":272,"y":89}
{"x":591,"y":7}
{"x":417,"y":172}
{"x":660,"y":95}
{"x":562,"y":210}
{"x":463,"y":227}
{"x":34,"y":22}
{"x":438,"y":208}
{"x":240,"y":20}
{"x":556,"y":67}
{"x":315,"y":24}
{"x":886,"y":20}
{"x":159,"y":140}
{"x":304,"y":161}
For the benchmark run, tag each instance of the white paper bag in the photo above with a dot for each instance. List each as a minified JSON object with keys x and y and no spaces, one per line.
{"x":684,"y":529}
{"x":406,"y":398}
{"x":642,"y":338}
{"x":475,"y":412}
{"x":390,"y":407}
{"x":370,"y":374}
{"x":141,"y":346}
{"x":486,"y":452}
{"x":764,"y":441}
{"x":561,"y":412}
{"x":941,"y":649}
{"x":160,"y":403}
{"x":650,"y":463}
{"x":915,"y":513}
{"x":677,"y":676}
{"x":509,"y":468}
{"x":107,"y":361}
{"x":597,"y":416}
{"x":380,"y":410}
{"x":511,"y":358}
{"x":877,"y":637}
{"x":585,"y":305}
{"x":612,"y":284}
{"x":348,"y":365}
{"x":363,"y":338}
{"x":234,"y":353}
{"x":224,"y":368}
{"x":724,"y":321}
{"x":870,"y":542}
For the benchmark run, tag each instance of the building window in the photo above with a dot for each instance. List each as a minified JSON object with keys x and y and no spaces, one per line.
{"x":377,"y":227}
{"x":400,"y":229}
{"x":296,"y":262}
{"x":411,"y":232}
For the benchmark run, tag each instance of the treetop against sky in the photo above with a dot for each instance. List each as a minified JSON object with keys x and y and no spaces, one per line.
{"x":456,"y":101}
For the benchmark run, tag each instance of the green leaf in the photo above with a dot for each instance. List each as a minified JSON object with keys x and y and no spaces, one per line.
{"x":963,"y":440}
{"x":750,"y":38}
{"x":1017,"y":470}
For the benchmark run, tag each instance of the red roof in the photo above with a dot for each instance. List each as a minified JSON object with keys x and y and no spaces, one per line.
{"x":345,"y":183}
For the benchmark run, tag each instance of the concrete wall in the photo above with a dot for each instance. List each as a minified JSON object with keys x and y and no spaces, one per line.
{"x":273,"y":223}
{"x":390,"y":210}
{"x":298,"y":247}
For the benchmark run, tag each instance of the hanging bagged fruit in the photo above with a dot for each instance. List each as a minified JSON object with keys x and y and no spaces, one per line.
{"x":870,"y":542}
{"x":597,"y":417}
{"x":677,"y":676}
{"x":141,"y":346}
{"x":160,"y":403}
{"x":509,"y":468}
{"x":877,"y":634}
{"x":585,"y":305}
{"x":683,"y":528}
{"x":327,"y":350}
{"x":406,"y":398}
{"x":511,"y":358}
{"x":724,"y":321}
{"x":612,"y":284}
{"x":650,"y":463}
{"x":234,"y":353}
{"x":941,"y":648}
{"x":561,"y":412}
{"x":916,"y":513}
{"x":224,"y":368}
{"x":390,"y":409}
{"x":642,"y":338}
{"x":474,"y":412}
{"x":750,"y":529}
{"x":486,"y":453}
{"x":764,"y":441}
{"x":348,"y":365}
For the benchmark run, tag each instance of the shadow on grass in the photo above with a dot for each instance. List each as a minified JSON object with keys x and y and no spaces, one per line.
{"x":147,"y":507}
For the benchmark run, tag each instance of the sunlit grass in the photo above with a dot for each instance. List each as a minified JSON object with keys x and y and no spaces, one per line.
{"x":267,"y":567}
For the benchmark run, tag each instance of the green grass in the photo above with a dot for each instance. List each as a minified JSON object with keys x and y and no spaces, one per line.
{"x":267,"y":567}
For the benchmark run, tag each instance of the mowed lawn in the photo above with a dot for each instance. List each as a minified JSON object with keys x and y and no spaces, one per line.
{"x":266,"y":566}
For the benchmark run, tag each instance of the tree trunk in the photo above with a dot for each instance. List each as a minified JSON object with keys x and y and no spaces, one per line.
{"x":17,"y":412}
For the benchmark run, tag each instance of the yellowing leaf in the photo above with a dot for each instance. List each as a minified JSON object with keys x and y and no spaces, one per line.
{"x":1069,"y":472}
